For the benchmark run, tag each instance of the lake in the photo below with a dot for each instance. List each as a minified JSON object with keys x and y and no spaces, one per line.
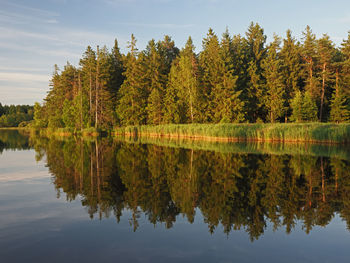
{"x":142,"y":200}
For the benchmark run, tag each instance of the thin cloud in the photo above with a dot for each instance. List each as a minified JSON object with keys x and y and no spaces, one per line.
{"x":167,"y":26}
{"x":23,"y":77}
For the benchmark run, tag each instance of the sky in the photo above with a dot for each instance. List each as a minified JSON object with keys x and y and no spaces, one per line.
{"x":36,"y":34}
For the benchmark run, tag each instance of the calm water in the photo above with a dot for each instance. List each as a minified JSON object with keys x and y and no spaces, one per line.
{"x":113,"y":201}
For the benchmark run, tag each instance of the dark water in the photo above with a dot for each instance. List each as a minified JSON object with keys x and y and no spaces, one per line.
{"x":111,"y":201}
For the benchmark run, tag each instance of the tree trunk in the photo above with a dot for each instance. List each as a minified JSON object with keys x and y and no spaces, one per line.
{"x":323,"y":89}
{"x":97,"y":86}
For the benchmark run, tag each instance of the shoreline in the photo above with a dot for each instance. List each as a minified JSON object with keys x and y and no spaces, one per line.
{"x":290,"y":133}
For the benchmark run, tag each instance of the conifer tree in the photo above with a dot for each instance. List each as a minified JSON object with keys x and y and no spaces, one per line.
{"x":155,"y":81}
{"x":183,"y":88}
{"x":132,"y":97}
{"x":255,"y":53}
{"x":275,"y":88}
{"x":88,"y":68}
{"x":211,"y":67}
{"x":326,"y":53}
{"x":297,"y":107}
{"x":227,"y":104}
{"x":291,"y":67}
{"x":310,"y":59}
{"x":339,"y":108}
{"x":309,"y":108}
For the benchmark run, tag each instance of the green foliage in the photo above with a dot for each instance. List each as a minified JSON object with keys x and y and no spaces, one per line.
{"x":231,"y":80}
{"x":275,"y":94}
{"x":13,"y":115}
{"x":304,"y":108}
{"x":340,"y":111}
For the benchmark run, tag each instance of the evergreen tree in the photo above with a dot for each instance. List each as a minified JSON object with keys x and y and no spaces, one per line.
{"x":297,"y":107}
{"x":309,"y":108}
{"x":310,"y":58}
{"x":88,"y":69}
{"x":255,"y":53}
{"x":228,"y":106}
{"x":155,"y":79}
{"x":275,"y":88}
{"x":340,"y":111}
{"x":211,"y":66}
{"x":183,"y":88}
{"x":326,"y":53}
{"x":291,"y":67}
{"x":132,"y":97}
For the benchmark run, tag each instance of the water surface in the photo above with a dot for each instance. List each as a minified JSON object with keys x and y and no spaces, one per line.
{"x":69,"y":200}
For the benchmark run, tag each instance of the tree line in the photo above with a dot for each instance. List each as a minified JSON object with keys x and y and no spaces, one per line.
{"x":15,"y":115}
{"x":233,"y":79}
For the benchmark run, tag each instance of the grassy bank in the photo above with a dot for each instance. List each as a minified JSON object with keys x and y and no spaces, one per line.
{"x":281,"y":132}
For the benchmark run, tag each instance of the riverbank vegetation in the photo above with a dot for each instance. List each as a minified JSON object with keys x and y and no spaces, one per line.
{"x":279,"y":132}
{"x":233,"y":79}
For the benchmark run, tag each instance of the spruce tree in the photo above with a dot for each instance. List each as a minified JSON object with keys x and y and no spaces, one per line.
{"x":275,"y":88}
{"x":255,"y":53}
{"x":297,"y":107}
{"x":339,"y":108}
{"x":228,"y":107}
{"x":309,"y":108}
{"x":155,"y":81}
{"x":132,"y":96}
{"x":211,"y":66}
{"x":291,"y":67}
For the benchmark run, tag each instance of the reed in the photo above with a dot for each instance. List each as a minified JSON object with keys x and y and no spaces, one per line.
{"x":281,"y":132}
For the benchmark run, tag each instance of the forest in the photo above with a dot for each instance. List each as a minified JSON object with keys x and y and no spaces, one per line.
{"x":15,"y":115}
{"x":233,"y":79}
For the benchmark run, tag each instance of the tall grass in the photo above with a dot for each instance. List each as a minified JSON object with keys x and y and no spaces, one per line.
{"x":281,"y":132}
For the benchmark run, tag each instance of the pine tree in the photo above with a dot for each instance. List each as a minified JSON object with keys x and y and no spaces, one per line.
{"x":326,"y":53}
{"x":88,"y":68}
{"x":310,"y":58}
{"x":275,"y":88}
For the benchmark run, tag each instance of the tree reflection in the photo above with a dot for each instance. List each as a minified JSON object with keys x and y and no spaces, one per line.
{"x":231,"y":190}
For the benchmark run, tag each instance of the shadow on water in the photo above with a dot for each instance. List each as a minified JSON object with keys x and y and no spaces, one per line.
{"x":236,"y":186}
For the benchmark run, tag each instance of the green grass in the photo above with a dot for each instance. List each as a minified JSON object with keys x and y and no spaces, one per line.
{"x":281,"y":132}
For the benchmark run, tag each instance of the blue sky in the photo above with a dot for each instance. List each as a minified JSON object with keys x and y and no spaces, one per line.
{"x":35,"y":35}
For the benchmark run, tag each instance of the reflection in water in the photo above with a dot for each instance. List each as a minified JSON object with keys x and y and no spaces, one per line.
{"x":235,"y":190}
